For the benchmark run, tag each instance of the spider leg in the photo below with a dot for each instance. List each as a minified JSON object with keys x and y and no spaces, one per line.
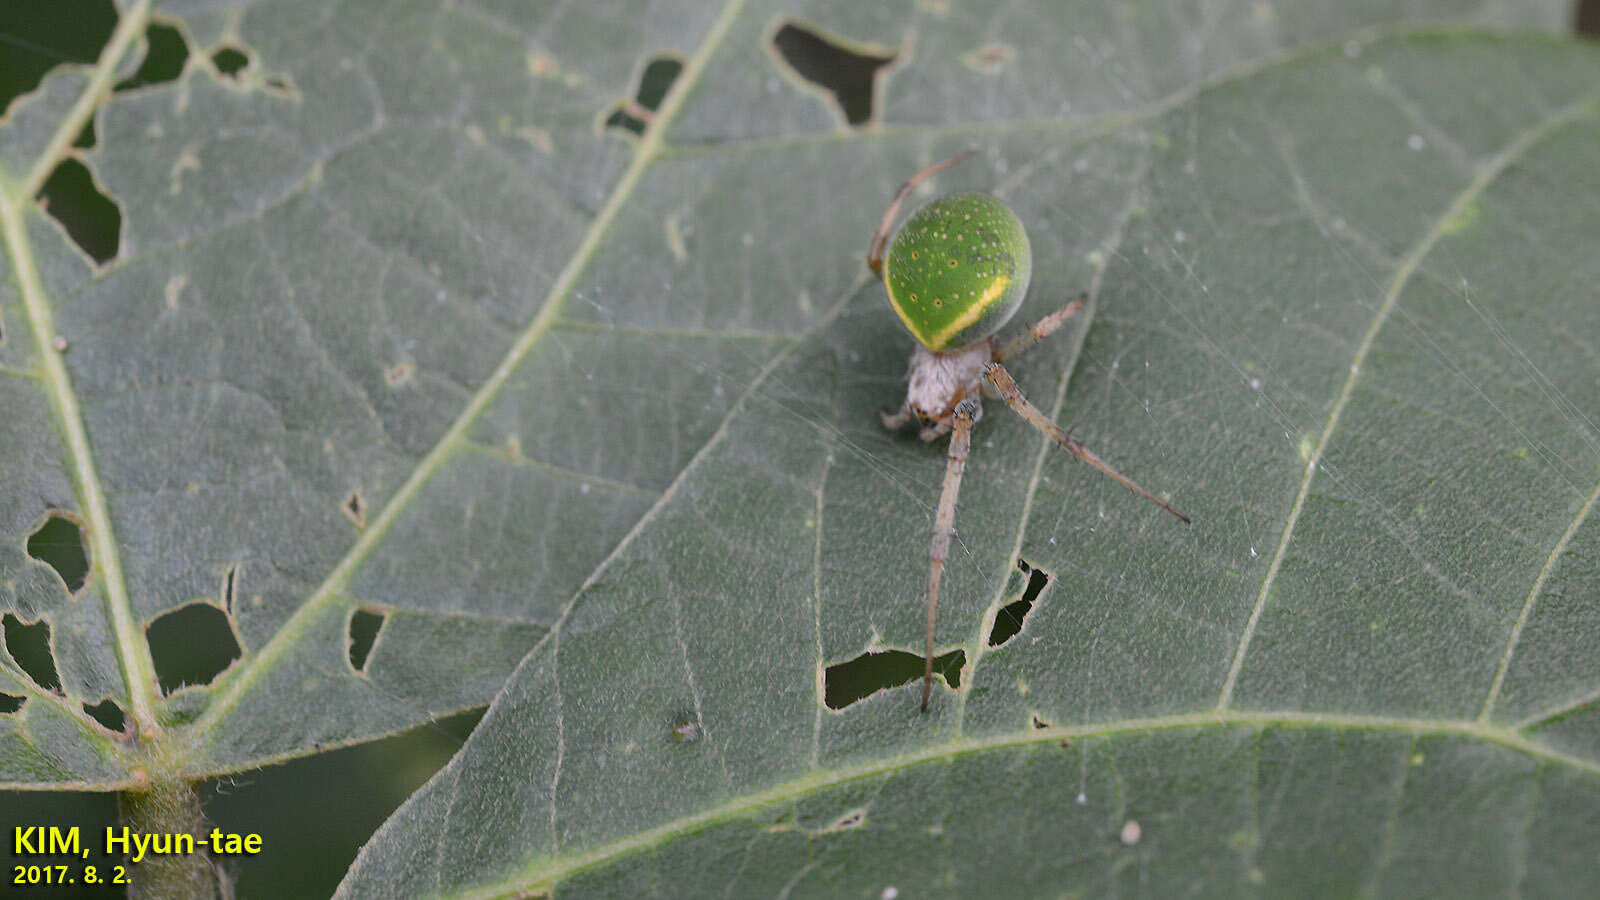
{"x":967,"y":412}
{"x":935,"y":431}
{"x":895,"y":421}
{"x":1040,"y":330}
{"x":879,"y":237}
{"x":1012,"y":395}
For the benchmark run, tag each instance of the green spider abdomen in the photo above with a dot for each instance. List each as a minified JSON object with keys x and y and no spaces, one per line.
{"x":957,"y":270}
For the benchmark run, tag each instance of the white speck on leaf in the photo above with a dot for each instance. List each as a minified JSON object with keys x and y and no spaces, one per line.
{"x":1416,"y":142}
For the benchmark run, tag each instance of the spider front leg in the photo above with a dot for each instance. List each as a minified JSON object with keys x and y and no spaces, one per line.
{"x":898,"y":420}
{"x":967,"y":412}
{"x":881,"y":236}
{"x":1040,"y":330}
{"x":997,"y":375}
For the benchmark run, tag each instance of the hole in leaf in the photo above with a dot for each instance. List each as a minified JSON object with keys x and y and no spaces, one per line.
{"x":636,"y":115}
{"x":29,"y":645}
{"x":657,"y":79}
{"x":228,"y":591}
{"x":1008,"y":621}
{"x":847,"y":682}
{"x":355,"y":509}
{"x":620,"y":119}
{"x":191,"y":645}
{"x":37,"y":37}
{"x":855,"y":818}
{"x":1040,"y":724}
{"x":85,"y":138}
{"x":59,"y":544}
{"x":230,"y":61}
{"x":164,"y":58}
{"x":10,"y":703}
{"x":90,"y":218}
{"x":850,"y":75}
{"x":364,"y":627}
{"x":108,"y":714}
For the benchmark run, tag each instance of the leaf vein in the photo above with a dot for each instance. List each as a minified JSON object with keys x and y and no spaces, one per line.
{"x":331,"y":588}
{"x":1480,"y":182}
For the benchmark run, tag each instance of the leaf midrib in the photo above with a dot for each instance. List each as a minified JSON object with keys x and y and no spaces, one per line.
{"x":133,"y":653}
{"x":330,"y":590}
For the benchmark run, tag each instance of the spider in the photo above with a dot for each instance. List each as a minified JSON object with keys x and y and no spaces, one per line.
{"x":955,"y":273}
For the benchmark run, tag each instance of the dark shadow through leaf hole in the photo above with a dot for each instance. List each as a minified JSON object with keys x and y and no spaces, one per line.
{"x":37,"y":37}
{"x":90,"y":218}
{"x":620,"y":119}
{"x":826,"y":62}
{"x":59,"y":544}
{"x":29,"y":645}
{"x":847,"y":682}
{"x":1008,"y":621}
{"x":163,"y":60}
{"x":364,"y":627}
{"x":108,"y":714}
{"x":191,"y":645}
{"x":657,"y":80}
{"x":230,"y":61}
{"x":355,"y":509}
{"x":10,"y":703}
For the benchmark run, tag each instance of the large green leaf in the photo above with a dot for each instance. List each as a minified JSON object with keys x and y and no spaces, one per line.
{"x":396,"y":323}
{"x":1341,"y":311}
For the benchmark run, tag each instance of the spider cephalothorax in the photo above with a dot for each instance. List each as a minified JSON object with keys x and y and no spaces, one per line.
{"x":937,"y":383}
{"x":955,"y":274}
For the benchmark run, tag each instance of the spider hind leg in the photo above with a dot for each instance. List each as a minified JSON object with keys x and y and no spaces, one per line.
{"x":996,"y":374}
{"x":1040,"y":330}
